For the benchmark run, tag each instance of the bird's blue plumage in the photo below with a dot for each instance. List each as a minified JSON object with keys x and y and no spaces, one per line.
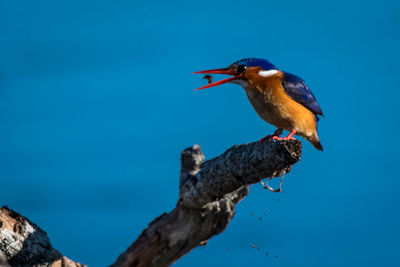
{"x":259,"y":62}
{"x":295,"y":87}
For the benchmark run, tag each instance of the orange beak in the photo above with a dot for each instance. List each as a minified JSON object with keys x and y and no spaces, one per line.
{"x":218,"y":71}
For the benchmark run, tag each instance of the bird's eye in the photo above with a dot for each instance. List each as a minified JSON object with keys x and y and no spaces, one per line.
{"x":241,"y":68}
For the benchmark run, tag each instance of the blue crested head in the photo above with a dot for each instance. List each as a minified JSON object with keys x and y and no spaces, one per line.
{"x":255,"y":62}
{"x":238,"y":70}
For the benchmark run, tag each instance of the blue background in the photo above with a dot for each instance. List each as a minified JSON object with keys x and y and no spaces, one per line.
{"x":97,"y":101}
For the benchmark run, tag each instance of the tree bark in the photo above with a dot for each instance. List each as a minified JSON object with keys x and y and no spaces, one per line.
{"x":209,"y":192}
{"x":23,"y":243}
{"x":208,"y":195}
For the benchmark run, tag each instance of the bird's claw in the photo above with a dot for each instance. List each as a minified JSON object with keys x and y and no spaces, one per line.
{"x":289,"y":137}
{"x":282,"y":138}
{"x":270,"y":137}
{"x":267,"y":137}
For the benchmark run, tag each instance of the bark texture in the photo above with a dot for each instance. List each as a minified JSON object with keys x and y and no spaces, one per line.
{"x":22,"y":243}
{"x":209,"y":192}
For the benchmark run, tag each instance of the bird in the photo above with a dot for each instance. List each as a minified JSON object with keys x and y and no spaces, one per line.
{"x":278,"y":97}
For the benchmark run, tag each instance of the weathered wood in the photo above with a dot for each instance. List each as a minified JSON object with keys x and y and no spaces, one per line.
{"x":23,"y":243}
{"x":208,"y":194}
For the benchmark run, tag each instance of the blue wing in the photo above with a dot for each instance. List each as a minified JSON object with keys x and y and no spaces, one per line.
{"x":295,"y":87}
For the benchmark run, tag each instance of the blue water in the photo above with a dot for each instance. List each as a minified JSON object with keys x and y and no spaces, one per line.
{"x":97,"y":101}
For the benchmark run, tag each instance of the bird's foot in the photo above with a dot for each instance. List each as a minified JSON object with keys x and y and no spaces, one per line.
{"x":289,"y":137}
{"x":267,"y":137}
{"x":266,"y":186}
{"x":276,"y":134}
{"x":282,"y":138}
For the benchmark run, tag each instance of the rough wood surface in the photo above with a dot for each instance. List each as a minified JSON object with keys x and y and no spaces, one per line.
{"x":208,"y":194}
{"x":22,"y":243}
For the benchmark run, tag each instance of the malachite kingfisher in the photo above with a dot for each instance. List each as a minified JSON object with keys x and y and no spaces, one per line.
{"x":279,"y":98}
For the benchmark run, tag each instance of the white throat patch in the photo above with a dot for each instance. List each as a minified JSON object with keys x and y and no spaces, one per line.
{"x":266,"y":73}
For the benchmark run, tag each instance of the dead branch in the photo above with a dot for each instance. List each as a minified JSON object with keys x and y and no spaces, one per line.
{"x":208,"y":194}
{"x":23,"y":243}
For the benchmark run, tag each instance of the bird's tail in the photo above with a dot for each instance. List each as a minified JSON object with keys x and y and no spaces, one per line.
{"x":314,"y":140}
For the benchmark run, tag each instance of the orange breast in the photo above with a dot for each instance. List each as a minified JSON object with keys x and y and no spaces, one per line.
{"x":273,"y":105}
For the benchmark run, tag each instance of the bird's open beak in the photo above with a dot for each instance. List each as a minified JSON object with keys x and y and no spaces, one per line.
{"x":218,"y":71}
